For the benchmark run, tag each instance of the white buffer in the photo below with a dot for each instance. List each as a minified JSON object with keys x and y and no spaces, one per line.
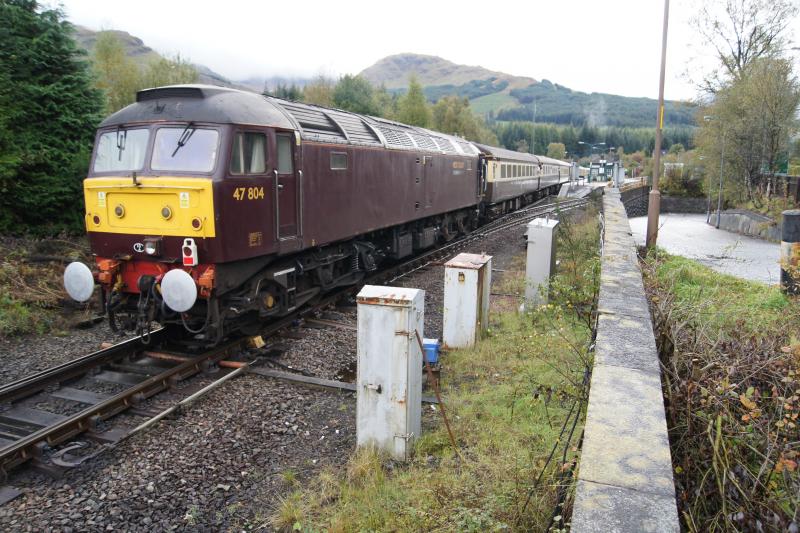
{"x":389,"y":372}
{"x":467,"y":280}
{"x":541,"y":260}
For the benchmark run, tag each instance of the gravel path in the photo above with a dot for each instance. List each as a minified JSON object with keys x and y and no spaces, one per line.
{"x":222,"y":464}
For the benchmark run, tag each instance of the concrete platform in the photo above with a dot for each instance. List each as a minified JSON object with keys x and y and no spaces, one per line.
{"x":625,"y":479}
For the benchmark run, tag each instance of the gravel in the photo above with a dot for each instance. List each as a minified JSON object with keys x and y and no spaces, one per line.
{"x":26,"y":355}
{"x":218,"y":465}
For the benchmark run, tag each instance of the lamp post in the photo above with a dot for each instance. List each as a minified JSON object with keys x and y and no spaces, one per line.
{"x":654,"y":203}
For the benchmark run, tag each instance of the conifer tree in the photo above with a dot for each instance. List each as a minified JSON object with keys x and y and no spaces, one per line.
{"x":48,"y":113}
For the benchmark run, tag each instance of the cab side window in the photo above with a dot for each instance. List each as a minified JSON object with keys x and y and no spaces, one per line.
{"x":285,"y":165}
{"x":249,"y":153}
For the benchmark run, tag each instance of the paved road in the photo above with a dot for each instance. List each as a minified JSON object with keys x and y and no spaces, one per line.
{"x":690,"y":236}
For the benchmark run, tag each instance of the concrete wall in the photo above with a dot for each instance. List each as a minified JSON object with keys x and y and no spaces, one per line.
{"x":748,"y":223}
{"x":625,"y":478}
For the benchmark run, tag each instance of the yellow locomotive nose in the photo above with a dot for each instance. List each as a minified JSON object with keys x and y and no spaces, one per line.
{"x":167,"y":206}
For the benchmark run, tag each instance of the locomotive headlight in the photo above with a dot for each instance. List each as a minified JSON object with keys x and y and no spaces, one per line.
{"x":119,"y":211}
{"x":152,"y":245}
{"x":166,"y":212}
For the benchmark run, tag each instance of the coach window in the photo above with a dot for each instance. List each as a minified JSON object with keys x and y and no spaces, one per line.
{"x":503,"y":170}
{"x":249,"y":153}
{"x":338,"y":161}
{"x":285,"y":165}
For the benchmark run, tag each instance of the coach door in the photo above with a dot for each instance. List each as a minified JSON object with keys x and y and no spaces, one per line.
{"x":287,"y":192}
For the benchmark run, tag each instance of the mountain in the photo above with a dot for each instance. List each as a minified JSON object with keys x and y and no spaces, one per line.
{"x":141,"y":53}
{"x":393,"y":72}
{"x":517,"y":98}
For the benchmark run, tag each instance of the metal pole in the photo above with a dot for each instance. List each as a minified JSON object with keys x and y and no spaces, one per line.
{"x":654,"y":206}
{"x":721,"y":166}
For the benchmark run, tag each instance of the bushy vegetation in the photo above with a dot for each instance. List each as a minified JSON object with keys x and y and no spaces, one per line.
{"x":31,"y":292}
{"x":515,"y":404}
{"x":731,"y":360}
{"x":48,"y":113}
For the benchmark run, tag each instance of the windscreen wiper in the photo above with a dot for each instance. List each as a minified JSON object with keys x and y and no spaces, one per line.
{"x":184,"y":138}
{"x":121,"y":139}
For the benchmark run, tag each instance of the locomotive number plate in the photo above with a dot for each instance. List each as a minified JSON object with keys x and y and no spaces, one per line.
{"x":248,"y":193}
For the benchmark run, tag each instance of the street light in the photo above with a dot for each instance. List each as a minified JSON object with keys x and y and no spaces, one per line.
{"x":591,"y":146}
{"x":709,"y":118}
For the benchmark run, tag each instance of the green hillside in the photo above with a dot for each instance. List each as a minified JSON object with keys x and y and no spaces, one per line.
{"x":505,"y":97}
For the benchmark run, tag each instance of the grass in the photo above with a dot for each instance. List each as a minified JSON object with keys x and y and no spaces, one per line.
{"x":721,"y":304}
{"x":731,"y":367}
{"x":508,"y":399}
{"x":31,"y":290}
{"x":492,"y":102}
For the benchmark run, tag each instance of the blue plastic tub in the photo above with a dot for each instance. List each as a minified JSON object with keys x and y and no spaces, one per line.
{"x":431,"y":350}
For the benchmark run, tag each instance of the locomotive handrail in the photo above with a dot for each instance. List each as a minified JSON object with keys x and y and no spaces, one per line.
{"x":141,"y":186}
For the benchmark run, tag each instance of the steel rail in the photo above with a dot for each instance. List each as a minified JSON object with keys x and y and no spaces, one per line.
{"x":29,"y":446}
{"x":37,"y":382}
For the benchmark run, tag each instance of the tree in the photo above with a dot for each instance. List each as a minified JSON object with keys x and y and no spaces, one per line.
{"x":676,"y":148}
{"x":287,"y":92}
{"x":168,"y":70}
{"x":116,"y":74}
{"x":48,"y":110}
{"x":412,"y":108}
{"x":557,"y":151}
{"x":752,"y":117}
{"x":319,"y":91}
{"x":354,"y":93}
{"x":385,"y":103}
{"x":740,"y":32}
{"x":453,"y":115}
{"x":120,"y":77}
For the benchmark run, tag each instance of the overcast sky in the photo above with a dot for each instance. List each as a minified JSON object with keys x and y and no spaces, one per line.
{"x":610,"y":46}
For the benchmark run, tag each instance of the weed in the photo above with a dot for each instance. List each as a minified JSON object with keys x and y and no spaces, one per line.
{"x":732,"y":378}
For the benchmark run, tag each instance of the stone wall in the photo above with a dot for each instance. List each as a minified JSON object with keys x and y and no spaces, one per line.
{"x":636,"y":202}
{"x":748,"y":223}
{"x":625,"y":479}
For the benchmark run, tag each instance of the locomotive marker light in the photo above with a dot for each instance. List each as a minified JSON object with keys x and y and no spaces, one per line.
{"x":189,"y":253}
{"x":78,"y":281}
{"x":179,"y":290}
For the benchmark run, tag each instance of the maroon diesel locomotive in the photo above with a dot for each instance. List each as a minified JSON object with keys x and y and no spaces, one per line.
{"x":216,"y":208}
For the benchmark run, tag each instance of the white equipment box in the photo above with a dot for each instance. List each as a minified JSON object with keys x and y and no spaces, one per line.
{"x":389,"y":374}
{"x":467,"y":281}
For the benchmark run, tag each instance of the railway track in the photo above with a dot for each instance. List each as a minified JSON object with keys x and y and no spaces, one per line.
{"x":144,"y":371}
